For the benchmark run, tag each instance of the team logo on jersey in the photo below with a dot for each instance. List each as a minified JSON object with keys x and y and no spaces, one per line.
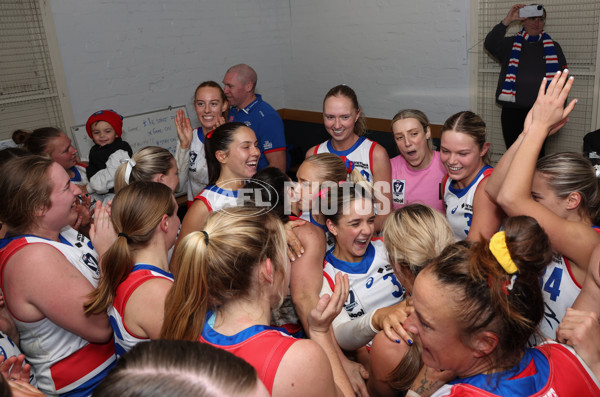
{"x":353,"y":306}
{"x":453,"y":211}
{"x":398,"y":190}
{"x":369,"y":282}
{"x":91,"y":262}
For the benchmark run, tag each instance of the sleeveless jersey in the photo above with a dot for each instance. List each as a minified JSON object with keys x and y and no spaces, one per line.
{"x":216,"y":198}
{"x":261,"y":346}
{"x":80,"y":177}
{"x":198,"y":171}
{"x":63,"y":362}
{"x":373,"y":284}
{"x":125,"y":339}
{"x":549,"y":370}
{"x":459,"y":202}
{"x":8,"y":348}
{"x":560,"y":289}
{"x":361,"y":154}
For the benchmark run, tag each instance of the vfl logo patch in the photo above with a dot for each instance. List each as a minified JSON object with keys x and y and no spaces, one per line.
{"x":454,"y":209}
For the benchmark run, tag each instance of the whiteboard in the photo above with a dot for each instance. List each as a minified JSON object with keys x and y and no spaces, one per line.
{"x":156,"y":128}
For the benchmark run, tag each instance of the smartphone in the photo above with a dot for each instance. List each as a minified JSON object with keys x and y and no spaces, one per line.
{"x":535,"y":10}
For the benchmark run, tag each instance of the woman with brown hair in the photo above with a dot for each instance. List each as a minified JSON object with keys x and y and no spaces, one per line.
{"x":46,"y":271}
{"x":476,"y":307}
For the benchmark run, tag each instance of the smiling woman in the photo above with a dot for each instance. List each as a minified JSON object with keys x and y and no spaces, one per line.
{"x":232,"y":156}
{"x":477,"y":305}
{"x":46,"y":271}
{"x":210,"y":105}
{"x":464,"y":153}
{"x":345,"y":122}
{"x":373,"y":285}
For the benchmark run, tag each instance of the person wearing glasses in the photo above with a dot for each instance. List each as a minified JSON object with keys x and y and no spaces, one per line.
{"x":525,"y":59}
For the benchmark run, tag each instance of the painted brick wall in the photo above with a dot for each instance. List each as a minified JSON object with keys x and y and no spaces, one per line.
{"x":141,"y":55}
{"x":394,"y":54}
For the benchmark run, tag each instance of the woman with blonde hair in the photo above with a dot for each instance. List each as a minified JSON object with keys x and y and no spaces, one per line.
{"x":345,"y":122}
{"x":228,"y":277}
{"x":417,"y":171}
{"x":135,"y":277}
{"x":149,"y":164}
{"x":413,"y":235}
{"x":315,"y":175}
{"x":560,"y":191}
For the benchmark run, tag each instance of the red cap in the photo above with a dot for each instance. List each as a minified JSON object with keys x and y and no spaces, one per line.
{"x":110,"y":116}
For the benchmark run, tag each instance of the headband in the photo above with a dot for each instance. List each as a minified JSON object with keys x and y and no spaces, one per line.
{"x":128,"y":168}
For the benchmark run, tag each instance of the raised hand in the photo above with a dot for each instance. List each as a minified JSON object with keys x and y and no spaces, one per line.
{"x":328,"y":307}
{"x":549,"y":112}
{"x":513,"y":14}
{"x":102,"y":232}
{"x":184,"y":129}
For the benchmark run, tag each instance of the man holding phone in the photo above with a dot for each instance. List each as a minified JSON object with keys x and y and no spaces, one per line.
{"x":525,"y":59}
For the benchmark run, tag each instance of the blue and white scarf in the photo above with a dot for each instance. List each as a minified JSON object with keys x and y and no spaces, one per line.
{"x":509,"y":89}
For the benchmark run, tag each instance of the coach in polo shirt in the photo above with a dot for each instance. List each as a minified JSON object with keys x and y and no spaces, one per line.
{"x":249,"y":108}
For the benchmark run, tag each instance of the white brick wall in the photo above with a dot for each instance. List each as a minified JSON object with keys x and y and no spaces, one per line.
{"x":140,"y":55}
{"x":394,"y":54}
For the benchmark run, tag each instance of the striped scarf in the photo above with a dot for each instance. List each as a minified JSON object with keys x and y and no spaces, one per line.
{"x":509,"y":89}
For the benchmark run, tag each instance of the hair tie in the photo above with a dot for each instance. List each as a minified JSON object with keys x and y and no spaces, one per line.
{"x":128,"y":168}
{"x":209,"y":134}
{"x":205,"y":236}
{"x":500,"y":251}
{"x":321,"y":193}
{"x":349,"y":166}
{"x":123,"y":235}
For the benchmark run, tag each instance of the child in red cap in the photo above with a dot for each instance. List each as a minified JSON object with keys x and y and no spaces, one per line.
{"x":105,"y":128}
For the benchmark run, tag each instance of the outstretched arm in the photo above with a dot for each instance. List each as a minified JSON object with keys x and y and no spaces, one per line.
{"x":575,"y":240}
